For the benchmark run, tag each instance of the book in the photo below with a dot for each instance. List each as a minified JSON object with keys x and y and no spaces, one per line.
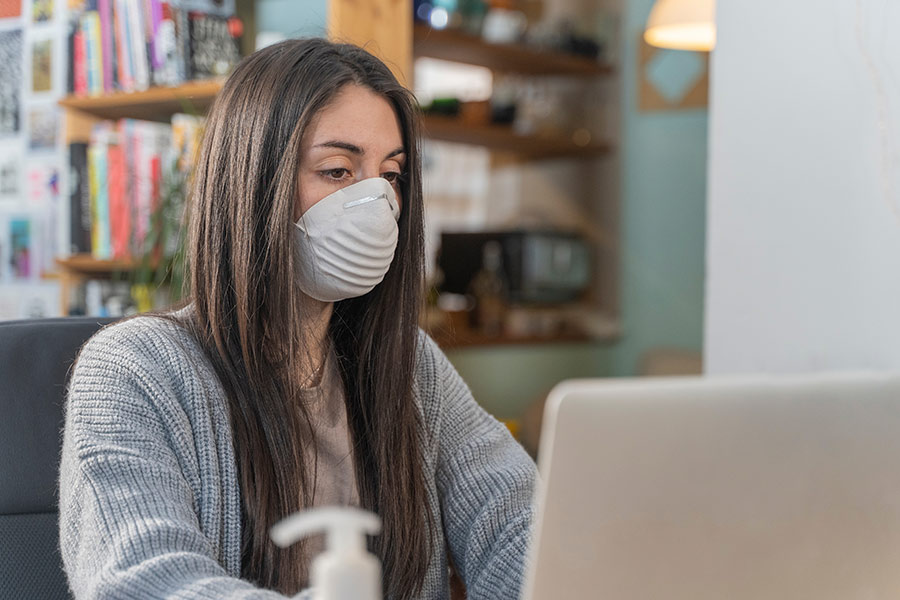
{"x":155,"y":19}
{"x":99,"y":202}
{"x":137,"y":39}
{"x":104,"y":11}
{"x":91,"y":50}
{"x":119,"y":207}
{"x":182,"y":42}
{"x":124,"y":68}
{"x":186,"y":132}
{"x":70,"y":52}
{"x":214,"y":50}
{"x":79,"y":200}
{"x":94,"y":54}
{"x":103,"y":135}
{"x":146,"y":146}
{"x":166,"y":48}
{"x":79,"y":62}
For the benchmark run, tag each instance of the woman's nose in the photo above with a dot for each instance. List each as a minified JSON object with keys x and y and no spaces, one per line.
{"x":368,"y":172}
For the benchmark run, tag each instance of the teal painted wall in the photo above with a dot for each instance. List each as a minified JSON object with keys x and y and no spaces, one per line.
{"x":506,"y":380}
{"x":293,"y":18}
{"x":663,"y":216}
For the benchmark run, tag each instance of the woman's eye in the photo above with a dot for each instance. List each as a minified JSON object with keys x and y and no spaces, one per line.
{"x":335,"y":174}
{"x":392,"y":177}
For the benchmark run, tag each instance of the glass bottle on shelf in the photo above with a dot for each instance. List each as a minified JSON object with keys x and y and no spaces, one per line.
{"x":488,"y":289}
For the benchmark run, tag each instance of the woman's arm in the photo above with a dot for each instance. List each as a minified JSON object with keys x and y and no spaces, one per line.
{"x":128,"y":521}
{"x":486,"y":486}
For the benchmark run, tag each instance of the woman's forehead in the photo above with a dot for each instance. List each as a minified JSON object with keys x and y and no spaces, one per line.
{"x":358,"y":117}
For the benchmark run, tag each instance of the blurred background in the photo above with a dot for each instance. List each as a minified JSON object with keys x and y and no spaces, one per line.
{"x":565,"y":170}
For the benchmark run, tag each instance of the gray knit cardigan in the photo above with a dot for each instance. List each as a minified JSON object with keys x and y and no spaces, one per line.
{"x":149,"y":498}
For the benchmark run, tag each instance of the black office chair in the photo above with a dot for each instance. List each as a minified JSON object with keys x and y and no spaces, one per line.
{"x":35,"y":357}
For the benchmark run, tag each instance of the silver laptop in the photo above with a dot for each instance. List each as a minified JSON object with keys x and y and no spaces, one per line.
{"x":720,"y":488}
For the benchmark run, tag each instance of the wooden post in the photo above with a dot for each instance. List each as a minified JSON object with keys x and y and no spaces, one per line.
{"x":245,"y":10}
{"x":383,"y":27}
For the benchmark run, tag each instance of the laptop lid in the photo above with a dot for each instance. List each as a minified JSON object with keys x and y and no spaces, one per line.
{"x":711,"y":488}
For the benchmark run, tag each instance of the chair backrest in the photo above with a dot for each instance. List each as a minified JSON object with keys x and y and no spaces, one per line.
{"x":35,"y":358}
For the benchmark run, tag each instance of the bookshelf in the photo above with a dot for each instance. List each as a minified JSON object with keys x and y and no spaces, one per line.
{"x":157,"y":104}
{"x":602,"y":320}
{"x":81,"y":113}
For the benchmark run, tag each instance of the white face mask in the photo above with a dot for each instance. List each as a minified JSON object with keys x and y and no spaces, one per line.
{"x":346,"y":240}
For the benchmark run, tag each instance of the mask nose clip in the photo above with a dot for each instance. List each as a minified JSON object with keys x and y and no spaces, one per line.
{"x":366,"y":200}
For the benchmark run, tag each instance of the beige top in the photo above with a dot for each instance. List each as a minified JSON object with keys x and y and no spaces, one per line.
{"x":334,"y":479}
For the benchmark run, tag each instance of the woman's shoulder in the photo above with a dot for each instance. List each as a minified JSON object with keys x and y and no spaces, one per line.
{"x":163,"y":323}
{"x":145,"y":369}
{"x":148,"y":351}
{"x":151,"y":337}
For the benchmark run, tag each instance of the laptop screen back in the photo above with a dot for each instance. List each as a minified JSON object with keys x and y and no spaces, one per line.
{"x":708,"y":488}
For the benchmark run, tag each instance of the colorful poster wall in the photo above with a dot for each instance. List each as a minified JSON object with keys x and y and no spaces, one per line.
{"x":32,"y":155}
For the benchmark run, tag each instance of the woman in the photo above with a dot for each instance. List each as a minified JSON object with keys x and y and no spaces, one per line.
{"x":296,"y":375}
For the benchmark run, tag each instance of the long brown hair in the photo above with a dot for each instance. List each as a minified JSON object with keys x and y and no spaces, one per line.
{"x":242,"y":283}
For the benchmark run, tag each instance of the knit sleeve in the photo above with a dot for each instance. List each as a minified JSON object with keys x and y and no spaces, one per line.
{"x":127,"y":518}
{"x":486,"y":485}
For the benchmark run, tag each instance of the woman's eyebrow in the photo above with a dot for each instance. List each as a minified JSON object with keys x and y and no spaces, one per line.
{"x":354,"y":148}
{"x":342,"y":145}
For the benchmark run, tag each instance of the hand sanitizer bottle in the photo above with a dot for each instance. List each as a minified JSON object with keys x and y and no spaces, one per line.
{"x":346,"y":570}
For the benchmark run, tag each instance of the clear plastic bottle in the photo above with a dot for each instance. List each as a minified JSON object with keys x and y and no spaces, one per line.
{"x":346,"y":570}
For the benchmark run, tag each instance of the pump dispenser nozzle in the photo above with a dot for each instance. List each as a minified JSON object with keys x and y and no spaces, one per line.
{"x":345,"y":571}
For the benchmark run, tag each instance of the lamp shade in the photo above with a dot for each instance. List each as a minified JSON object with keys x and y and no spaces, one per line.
{"x":682,"y":25}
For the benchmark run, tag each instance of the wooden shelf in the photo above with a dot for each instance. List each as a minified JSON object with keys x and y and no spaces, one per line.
{"x":504,"y":139}
{"x":461,"y":47}
{"x":449,"y":341}
{"x":85,"y":264}
{"x":78,"y":268}
{"x":155,"y":104}
{"x":448,"y":336}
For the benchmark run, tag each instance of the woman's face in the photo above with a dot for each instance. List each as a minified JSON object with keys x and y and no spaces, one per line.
{"x":355,"y":137}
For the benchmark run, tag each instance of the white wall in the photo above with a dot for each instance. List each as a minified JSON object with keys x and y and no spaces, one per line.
{"x":803,"y":242}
